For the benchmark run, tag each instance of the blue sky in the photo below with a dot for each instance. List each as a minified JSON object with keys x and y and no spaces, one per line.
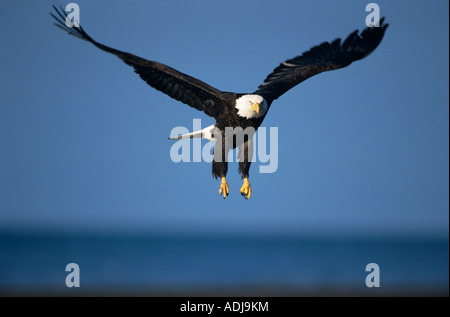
{"x":83,"y":140}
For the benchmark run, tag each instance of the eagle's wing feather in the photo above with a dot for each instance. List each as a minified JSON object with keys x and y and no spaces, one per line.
{"x":324,"y":57}
{"x":175,"y":84}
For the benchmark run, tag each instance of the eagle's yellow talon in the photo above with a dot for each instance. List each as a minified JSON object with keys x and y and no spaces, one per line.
{"x":224,"y":190}
{"x":246,"y":190}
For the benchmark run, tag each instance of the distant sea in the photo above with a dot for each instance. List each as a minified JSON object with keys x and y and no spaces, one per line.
{"x":34,"y":264}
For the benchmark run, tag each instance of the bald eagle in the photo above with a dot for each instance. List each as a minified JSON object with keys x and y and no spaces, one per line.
{"x":240,"y":110}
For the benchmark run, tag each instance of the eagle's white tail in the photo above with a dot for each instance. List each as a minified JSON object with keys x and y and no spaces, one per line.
{"x":206,"y":133}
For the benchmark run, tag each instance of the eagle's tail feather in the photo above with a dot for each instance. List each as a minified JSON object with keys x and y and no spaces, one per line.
{"x":206,"y":133}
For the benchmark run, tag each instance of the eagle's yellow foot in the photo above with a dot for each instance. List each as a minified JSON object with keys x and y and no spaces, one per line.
{"x":246,"y":190}
{"x":224,"y":188}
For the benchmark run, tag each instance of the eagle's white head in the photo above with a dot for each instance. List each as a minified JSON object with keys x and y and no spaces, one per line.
{"x":251,"y":106}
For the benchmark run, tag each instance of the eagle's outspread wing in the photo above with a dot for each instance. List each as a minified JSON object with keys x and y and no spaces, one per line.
{"x":175,"y":84}
{"x":324,"y":57}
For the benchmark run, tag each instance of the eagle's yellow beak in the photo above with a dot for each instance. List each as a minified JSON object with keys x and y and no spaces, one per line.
{"x":255,"y":106}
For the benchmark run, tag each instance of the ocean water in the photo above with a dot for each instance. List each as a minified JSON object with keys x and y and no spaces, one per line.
{"x":158,"y":263}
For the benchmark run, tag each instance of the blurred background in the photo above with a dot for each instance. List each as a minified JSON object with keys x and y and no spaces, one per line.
{"x":86,"y":175}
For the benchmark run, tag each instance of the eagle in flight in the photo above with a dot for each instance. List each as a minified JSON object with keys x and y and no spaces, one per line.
{"x":239,"y":111}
